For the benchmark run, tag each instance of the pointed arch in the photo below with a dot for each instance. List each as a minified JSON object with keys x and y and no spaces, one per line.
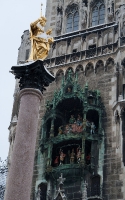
{"x":69,"y":69}
{"x":109,"y":67}
{"x":98,"y":12}
{"x":72,"y":15}
{"x":99,"y":68}
{"x":89,"y":69}
{"x":76,"y":21}
{"x":79,"y":68}
{"x":59,"y":75}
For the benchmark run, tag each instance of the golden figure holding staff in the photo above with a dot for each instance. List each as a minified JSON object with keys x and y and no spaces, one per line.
{"x":40,"y":40}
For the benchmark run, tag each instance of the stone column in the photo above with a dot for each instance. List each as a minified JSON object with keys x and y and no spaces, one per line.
{"x":32,"y":80}
{"x":21,"y":169}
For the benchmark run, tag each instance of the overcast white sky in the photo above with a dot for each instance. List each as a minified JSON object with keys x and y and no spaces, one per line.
{"x":15,"y":17}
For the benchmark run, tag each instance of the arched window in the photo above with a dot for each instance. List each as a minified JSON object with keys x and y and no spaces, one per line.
{"x":76,"y":21}
{"x":72,"y":23}
{"x":98,"y":14}
{"x":69,"y":23}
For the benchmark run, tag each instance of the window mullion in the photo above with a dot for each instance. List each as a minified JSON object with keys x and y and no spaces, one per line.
{"x":72,"y":21}
{"x":98,"y":15}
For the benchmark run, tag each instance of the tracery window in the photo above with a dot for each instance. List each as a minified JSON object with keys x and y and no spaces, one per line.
{"x":98,"y":14}
{"x":72,"y":18}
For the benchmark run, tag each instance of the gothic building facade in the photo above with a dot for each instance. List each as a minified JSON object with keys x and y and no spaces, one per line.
{"x":80,"y":147}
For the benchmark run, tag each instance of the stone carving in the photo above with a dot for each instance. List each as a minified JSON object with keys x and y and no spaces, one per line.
{"x":60,"y":4}
{"x":83,"y":15}
{"x":28,"y":42}
{"x":119,"y":14}
{"x":92,"y":40}
{"x":107,"y":50}
{"x":117,"y":121}
{"x":120,"y":18}
{"x":12,"y":136}
{"x":77,"y":45}
{"x":110,"y":38}
{"x":59,"y":23}
{"x":72,"y":7}
{"x":11,"y":140}
{"x":123,"y":26}
{"x":110,"y":9}
{"x":61,"y":50}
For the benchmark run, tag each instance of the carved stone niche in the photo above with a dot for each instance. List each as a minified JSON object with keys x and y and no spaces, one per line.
{"x":99,"y":67}
{"x":110,"y":7}
{"x":107,"y":37}
{"x":53,"y":50}
{"x":89,"y":70}
{"x":123,"y":26}
{"x":119,"y":13}
{"x":59,"y":24}
{"x":76,"y":45}
{"x":61,"y":48}
{"x":92,"y":41}
{"x":83,"y":16}
{"x":110,"y":37}
{"x":60,"y":5}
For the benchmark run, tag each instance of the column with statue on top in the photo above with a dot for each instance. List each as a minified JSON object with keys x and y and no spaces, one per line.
{"x":33,"y":77}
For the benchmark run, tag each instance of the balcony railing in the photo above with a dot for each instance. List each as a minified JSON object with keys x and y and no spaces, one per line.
{"x":83,"y":54}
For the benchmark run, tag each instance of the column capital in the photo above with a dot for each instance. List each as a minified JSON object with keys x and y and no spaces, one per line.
{"x":32,"y":75}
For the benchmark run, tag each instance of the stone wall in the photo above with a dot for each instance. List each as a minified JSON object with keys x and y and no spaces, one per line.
{"x":103,"y":79}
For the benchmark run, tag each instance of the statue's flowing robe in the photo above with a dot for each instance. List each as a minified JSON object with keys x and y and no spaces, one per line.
{"x":39,"y":46}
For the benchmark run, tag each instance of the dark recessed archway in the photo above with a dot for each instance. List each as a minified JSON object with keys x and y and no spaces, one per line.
{"x":93,"y":116}
{"x":70,"y":106}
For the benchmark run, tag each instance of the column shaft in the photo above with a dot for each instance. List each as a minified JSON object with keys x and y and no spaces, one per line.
{"x":19,"y":179}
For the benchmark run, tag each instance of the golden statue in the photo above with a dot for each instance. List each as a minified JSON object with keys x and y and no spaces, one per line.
{"x":40,"y":40}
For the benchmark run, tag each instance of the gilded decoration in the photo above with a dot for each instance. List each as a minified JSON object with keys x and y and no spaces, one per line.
{"x":40,"y":40}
